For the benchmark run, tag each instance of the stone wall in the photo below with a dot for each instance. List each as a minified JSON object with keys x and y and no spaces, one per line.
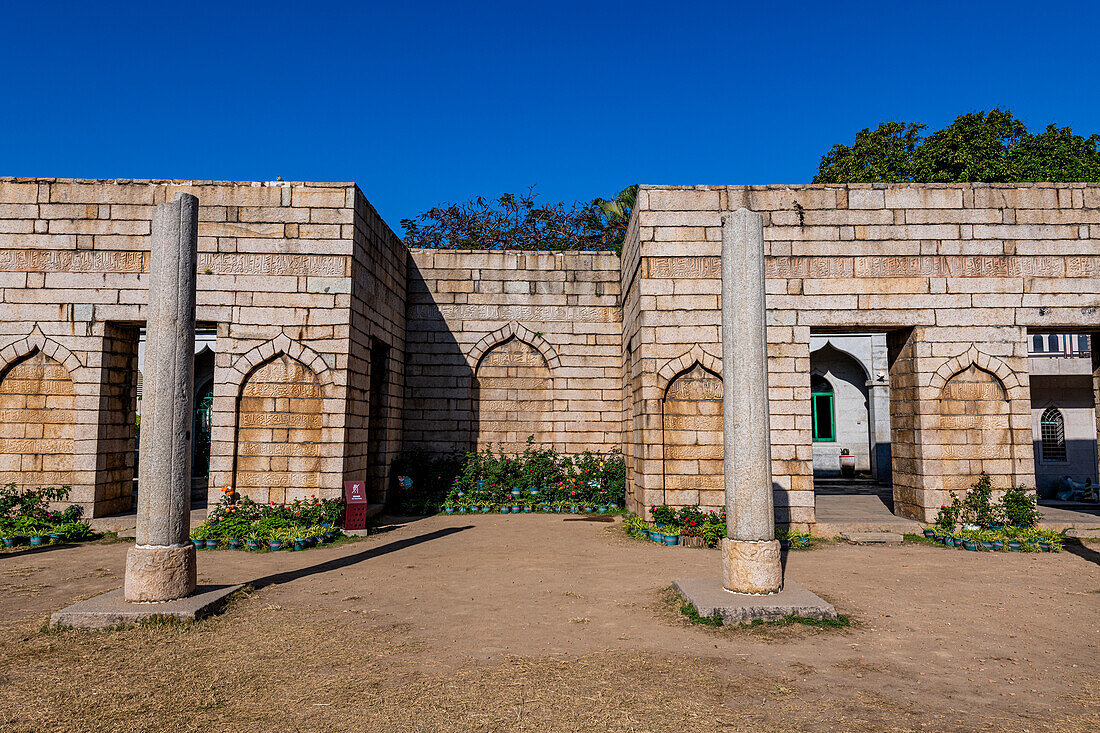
{"x":502,"y":346}
{"x":955,"y":274}
{"x":325,"y":321}
{"x":282,"y":269}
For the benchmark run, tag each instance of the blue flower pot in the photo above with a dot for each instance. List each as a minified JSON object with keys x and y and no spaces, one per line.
{"x":449,"y":509}
{"x":1013,"y":545}
{"x":504,"y":510}
{"x":672,"y":539}
{"x":517,"y":509}
{"x":275,"y":545}
{"x":211,"y":544}
{"x":199,"y":544}
{"x":234,"y":544}
{"x":527,"y":510}
{"x":929,"y":533}
{"x":9,"y":542}
{"x":37,"y":540}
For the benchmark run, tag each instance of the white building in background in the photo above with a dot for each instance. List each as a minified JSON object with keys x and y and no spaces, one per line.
{"x":850,"y":406}
{"x":850,"y":403}
{"x":1063,"y":416}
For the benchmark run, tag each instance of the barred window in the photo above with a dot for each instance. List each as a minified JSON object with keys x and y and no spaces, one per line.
{"x":1052,"y":431}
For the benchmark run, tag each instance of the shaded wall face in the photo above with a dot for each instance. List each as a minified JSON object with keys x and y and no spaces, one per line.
{"x":514,"y":398}
{"x":504,"y":345}
{"x":36,"y":429}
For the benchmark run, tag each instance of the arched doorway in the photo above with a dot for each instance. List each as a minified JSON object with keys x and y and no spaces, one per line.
{"x":840,"y":412}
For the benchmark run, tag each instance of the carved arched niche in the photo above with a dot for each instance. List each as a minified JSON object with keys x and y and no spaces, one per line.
{"x":36,"y":423}
{"x":692,"y":434}
{"x":280,"y":431}
{"x":974,"y":430}
{"x":514,"y":397}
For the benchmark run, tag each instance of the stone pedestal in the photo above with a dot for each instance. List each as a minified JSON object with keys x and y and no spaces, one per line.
{"x":751,"y":567}
{"x":162,"y":565}
{"x":159,"y":573}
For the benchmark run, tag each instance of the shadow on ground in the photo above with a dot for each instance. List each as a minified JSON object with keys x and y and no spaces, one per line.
{"x":343,"y":562}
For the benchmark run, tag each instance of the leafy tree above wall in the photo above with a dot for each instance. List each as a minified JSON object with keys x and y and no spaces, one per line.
{"x":519,"y":222}
{"x":993,"y":147}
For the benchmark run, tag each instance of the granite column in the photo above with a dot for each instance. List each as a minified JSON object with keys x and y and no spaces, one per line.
{"x":161,"y":566}
{"x":750,"y":552}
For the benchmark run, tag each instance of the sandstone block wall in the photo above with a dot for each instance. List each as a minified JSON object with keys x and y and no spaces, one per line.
{"x":295,"y":276}
{"x":337,"y":348}
{"x":957,"y":275}
{"x":505,"y":345}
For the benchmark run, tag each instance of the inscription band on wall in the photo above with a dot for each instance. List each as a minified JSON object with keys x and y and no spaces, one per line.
{"x":961,"y":266}
{"x":544,"y":313}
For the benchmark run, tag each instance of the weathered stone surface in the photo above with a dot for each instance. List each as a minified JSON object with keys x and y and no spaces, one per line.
{"x":280,"y":432}
{"x":709,"y":597}
{"x":164,"y":502}
{"x":968,"y":268}
{"x":514,"y":397}
{"x":751,"y":566}
{"x":159,"y":573}
{"x":36,"y":423}
{"x":872,"y":537}
{"x":748,"y":475}
{"x":111,"y":609}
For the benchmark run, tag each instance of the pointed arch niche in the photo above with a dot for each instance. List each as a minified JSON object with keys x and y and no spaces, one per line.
{"x":36,"y":429}
{"x":692,"y":437}
{"x":513,"y":395}
{"x":280,"y":431}
{"x":974,"y":432}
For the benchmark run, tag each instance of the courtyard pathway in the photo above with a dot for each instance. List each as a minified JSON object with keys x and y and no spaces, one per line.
{"x":550,"y":623}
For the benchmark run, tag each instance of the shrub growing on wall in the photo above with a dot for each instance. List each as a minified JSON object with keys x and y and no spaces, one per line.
{"x":519,"y":222}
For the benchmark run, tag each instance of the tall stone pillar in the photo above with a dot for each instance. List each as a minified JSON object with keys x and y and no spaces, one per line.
{"x":750,"y":552}
{"x":161,"y":566}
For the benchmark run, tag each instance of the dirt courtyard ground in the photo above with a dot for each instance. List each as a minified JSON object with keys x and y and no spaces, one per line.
{"x":539,"y":623}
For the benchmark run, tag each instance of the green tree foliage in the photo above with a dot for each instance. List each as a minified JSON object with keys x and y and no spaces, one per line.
{"x":520,"y":222}
{"x":990,"y":147}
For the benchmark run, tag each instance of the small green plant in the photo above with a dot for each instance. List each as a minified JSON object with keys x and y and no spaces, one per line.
{"x":1018,"y":508}
{"x":689,"y":610}
{"x":664,"y":515}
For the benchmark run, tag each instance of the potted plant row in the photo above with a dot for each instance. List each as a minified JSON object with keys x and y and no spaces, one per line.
{"x":206,"y":536}
{"x":522,"y":505}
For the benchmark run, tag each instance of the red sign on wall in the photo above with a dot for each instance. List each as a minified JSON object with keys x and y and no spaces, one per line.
{"x":355,"y":499}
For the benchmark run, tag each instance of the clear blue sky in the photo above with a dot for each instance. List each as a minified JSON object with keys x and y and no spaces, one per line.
{"x":423,"y":103}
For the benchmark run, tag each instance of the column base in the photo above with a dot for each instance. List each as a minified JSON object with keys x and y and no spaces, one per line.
{"x":751,"y":566}
{"x":159,"y":573}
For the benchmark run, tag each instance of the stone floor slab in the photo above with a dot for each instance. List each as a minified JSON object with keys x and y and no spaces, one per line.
{"x":872,"y":537}
{"x":708,"y":596}
{"x":111,"y":609}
